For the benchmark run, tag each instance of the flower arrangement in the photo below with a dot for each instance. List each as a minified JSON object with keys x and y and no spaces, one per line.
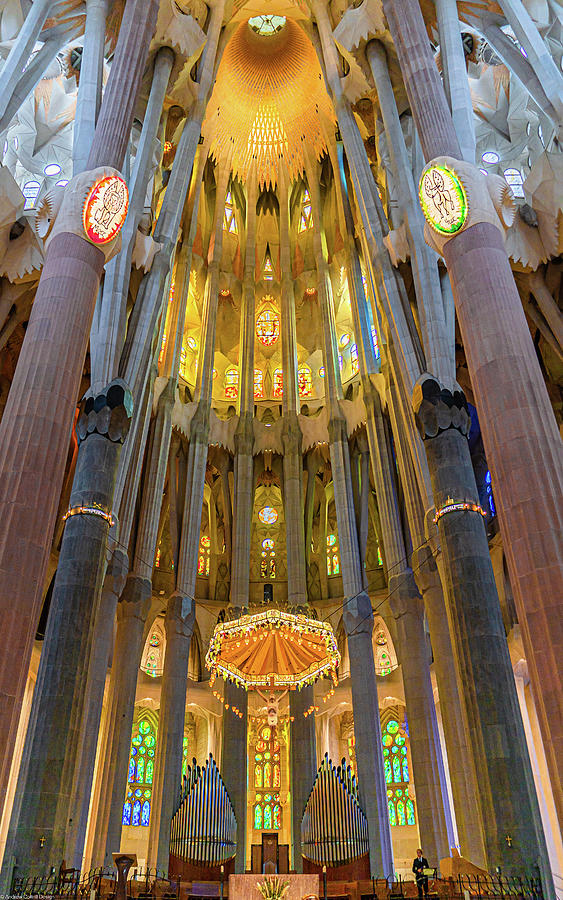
{"x":273,"y":888}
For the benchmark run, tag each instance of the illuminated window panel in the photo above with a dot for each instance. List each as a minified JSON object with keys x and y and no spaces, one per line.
{"x":396,"y":769}
{"x":268,"y":515}
{"x":306,"y":218}
{"x":266,"y":25}
{"x":354,"y":358}
{"x":489,"y":489}
{"x":268,"y":269}
{"x":514,"y":178}
{"x":258,"y":384}
{"x":231,"y":384}
{"x":375,"y":344}
{"x":268,"y":808}
{"x":332,"y":555}
{"x":268,"y":327}
{"x":229,"y":218}
{"x":204,"y":556}
{"x":278,"y":384}
{"x":305,"y":381}
{"x":137,"y":806}
{"x":345,"y":339}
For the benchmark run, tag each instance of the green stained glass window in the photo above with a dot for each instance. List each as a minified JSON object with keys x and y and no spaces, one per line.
{"x":410,"y":813}
{"x":267,"y":816}
{"x":140,"y":773}
{"x":401,"y":818}
{"x":388,"y":774}
{"x":392,"y":813}
{"x":392,"y":726}
{"x":258,"y":816}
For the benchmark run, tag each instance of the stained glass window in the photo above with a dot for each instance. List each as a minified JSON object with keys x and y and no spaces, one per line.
{"x":258,"y":384}
{"x":489,"y":489}
{"x":396,"y":768}
{"x":375,"y":344}
{"x":140,"y":775}
{"x":304,"y":381}
{"x":268,"y":326}
{"x":278,"y":384}
{"x":229,"y":218}
{"x":345,"y":339}
{"x":204,"y":555}
{"x":332,"y":555}
{"x":268,"y":267}
{"x":354,"y":358}
{"x":231,"y":383}
{"x":267,"y":776}
{"x":514,"y":178}
{"x":306,"y":219}
{"x":268,"y":515}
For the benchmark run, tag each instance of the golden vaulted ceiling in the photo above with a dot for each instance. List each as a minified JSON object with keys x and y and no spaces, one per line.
{"x":269,"y":104}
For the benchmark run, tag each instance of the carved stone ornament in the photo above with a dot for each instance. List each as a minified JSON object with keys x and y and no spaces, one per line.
{"x":62,"y":209}
{"x":454,"y":195}
{"x":437,"y":409}
{"x":108,"y":413}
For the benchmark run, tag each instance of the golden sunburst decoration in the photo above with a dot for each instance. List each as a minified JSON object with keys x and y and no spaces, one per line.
{"x":282,"y":109}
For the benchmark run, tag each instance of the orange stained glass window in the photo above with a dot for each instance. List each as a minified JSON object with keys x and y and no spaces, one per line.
{"x":267,"y":774}
{"x":258,"y":384}
{"x":304,"y":381}
{"x":278,"y":384}
{"x":268,"y":327}
{"x":231,"y":384}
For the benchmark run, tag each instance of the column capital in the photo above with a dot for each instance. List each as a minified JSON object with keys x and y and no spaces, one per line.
{"x":358,"y":615}
{"x":404,"y":596}
{"x":109,"y":413}
{"x":116,"y":573}
{"x":135,"y":599}
{"x":436,"y":408}
{"x":180,"y":615}
{"x":291,"y":433}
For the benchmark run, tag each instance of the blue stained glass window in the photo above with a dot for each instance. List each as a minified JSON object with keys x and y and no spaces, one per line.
{"x":140,"y":770}
{"x":131,"y":776}
{"x":150,"y":769}
{"x":126,"y":818}
{"x":396,"y":769}
{"x":489,"y":489}
{"x":146,"y":813}
{"x":405,"y":770}
{"x":136,"y":813}
{"x":388,"y":773}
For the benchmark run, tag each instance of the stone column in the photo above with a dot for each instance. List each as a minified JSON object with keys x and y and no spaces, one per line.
{"x":358,"y":615}
{"x":302,"y":730}
{"x":90,"y":83}
{"x":34,"y":444}
{"x":508,"y":801}
{"x":404,"y":600}
{"x":520,"y":434}
{"x":178,"y":622}
{"x":454,"y":76}
{"x":168,"y":767}
{"x":43,"y":795}
{"x":234,"y":744}
{"x":132,"y":611}
{"x":79,"y":805}
{"x":21,"y":50}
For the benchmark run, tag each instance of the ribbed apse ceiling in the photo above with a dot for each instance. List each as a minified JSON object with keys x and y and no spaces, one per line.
{"x":269,"y":103}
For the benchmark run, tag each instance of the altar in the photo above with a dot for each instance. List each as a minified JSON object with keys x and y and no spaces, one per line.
{"x":301,"y":887}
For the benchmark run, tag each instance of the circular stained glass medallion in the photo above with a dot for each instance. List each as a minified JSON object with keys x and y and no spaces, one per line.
{"x":268,"y":515}
{"x":443,"y":200}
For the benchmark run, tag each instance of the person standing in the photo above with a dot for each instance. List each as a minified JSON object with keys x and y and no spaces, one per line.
{"x":419,"y":865}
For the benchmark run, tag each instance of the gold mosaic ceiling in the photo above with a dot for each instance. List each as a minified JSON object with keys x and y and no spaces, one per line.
{"x":269,"y":104}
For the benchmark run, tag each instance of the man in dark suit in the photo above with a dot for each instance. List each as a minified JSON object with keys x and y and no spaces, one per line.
{"x":418,"y":867}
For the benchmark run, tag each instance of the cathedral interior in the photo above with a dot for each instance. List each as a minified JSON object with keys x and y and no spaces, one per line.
{"x":281,"y":404}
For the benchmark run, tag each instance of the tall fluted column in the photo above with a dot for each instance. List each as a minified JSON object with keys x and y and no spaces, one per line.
{"x":234,"y":752}
{"x":303,"y":736}
{"x":90,"y":83}
{"x":181,"y":604}
{"x":358,"y":615}
{"x":47,"y":377}
{"x":454,"y":76}
{"x":519,"y":429}
{"x":404,"y":600}
{"x":52,"y":740}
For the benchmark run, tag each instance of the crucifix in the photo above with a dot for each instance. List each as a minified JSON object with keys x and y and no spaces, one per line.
{"x":508,"y":840}
{"x":42,"y":841}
